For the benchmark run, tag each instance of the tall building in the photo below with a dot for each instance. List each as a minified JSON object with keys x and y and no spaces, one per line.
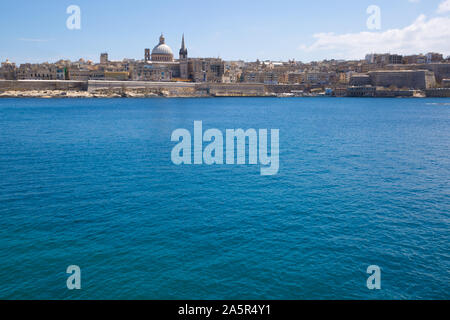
{"x":104,"y":58}
{"x":395,"y":59}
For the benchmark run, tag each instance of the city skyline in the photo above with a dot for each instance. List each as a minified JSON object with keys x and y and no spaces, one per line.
{"x":235,"y":31}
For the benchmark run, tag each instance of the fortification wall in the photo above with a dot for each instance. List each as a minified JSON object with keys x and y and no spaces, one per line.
{"x":283,"y":88}
{"x":231,"y":89}
{"x":27,"y":85}
{"x":159,"y":88}
{"x":417,"y":79}
{"x":102,"y":85}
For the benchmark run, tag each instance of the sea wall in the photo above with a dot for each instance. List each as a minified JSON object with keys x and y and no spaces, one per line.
{"x":144,"y":87}
{"x":28,"y":85}
{"x":438,"y":93}
{"x":99,"y":88}
{"x":413,"y":79}
{"x":231,"y":89}
{"x":148,"y":87}
{"x":284,"y":88}
{"x":102,"y":85}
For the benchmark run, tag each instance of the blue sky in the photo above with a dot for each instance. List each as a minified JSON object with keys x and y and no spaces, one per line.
{"x":36,"y":31}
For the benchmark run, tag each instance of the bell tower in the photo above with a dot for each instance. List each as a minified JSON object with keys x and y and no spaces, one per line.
{"x":183,"y":50}
{"x":184,"y":73}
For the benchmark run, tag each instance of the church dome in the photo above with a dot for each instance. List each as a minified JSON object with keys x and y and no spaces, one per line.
{"x":162,"y":52}
{"x":162,"y":49}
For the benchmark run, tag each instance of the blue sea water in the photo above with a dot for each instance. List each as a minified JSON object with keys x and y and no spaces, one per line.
{"x":91,"y":183}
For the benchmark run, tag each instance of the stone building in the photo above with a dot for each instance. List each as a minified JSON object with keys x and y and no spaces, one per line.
{"x":412,"y":79}
{"x":441,"y":70}
{"x":159,"y":65}
{"x":359,"y":80}
{"x":43,"y":71}
{"x":295,"y":77}
{"x":104,"y":58}
{"x":361,"y":91}
{"x":149,"y":71}
{"x":415,"y":59}
{"x":8,"y":70}
{"x":206,"y":69}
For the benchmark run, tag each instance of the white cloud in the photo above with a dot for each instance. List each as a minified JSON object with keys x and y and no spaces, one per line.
{"x":444,"y":7}
{"x":423,"y":35}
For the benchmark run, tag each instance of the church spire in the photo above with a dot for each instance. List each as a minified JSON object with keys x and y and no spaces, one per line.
{"x":183,"y":47}
{"x":183,"y":50}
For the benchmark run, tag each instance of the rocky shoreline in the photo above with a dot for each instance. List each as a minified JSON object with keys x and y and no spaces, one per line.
{"x":145,"y":93}
{"x":48,"y":94}
{"x":136,"y":89}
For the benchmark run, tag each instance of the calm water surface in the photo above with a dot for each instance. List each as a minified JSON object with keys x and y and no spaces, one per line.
{"x":90,"y":183}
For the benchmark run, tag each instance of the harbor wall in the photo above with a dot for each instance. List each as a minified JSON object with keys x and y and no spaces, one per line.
{"x":104,"y":85}
{"x":284,"y":88}
{"x":438,"y":93}
{"x":158,"y":88}
{"x":27,"y":85}
{"x":171,"y":88}
{"x":231,"y":89}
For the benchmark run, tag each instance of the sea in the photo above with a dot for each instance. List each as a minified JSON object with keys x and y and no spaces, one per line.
{"x":90,"y":183}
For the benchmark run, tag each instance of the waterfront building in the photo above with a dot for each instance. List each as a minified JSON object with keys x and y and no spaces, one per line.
{"x":446,"y":83}
{"x":43,"y":71}
{"x":360,"y":80}
{"x":8,"y":70}
{"x":382,"y":70}
{"x":160,"y":65}
{"x":361,"y":91}
{"x":440,"y":70}
{"x":206,"y":69}
{"x":412,"y":79}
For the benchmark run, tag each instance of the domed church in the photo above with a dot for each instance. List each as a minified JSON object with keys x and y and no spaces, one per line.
{"x":162,"y":52}
{"x":160,"y":65}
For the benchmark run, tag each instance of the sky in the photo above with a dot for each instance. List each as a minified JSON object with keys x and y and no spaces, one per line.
{"x":36,"y":31}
